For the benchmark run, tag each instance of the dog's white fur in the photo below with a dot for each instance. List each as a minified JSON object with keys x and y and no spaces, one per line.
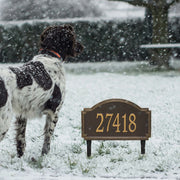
{"x":28,"y":102}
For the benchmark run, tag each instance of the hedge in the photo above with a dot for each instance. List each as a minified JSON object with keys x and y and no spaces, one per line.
{"x":103,"y":39}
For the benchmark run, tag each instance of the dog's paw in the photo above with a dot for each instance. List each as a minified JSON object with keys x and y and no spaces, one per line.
{"x":20,"y":154}
{"x":45,"y":150}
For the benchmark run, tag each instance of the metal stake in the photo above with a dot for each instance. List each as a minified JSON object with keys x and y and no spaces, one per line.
{"x":88,"y":148}
{"x":143,"y":142}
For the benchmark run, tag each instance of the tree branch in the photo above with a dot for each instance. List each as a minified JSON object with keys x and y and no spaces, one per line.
{"x":134,"y":2}
{"x":173,"y":2}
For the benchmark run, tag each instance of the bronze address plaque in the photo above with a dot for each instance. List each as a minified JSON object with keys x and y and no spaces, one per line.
{"x":116,"y":119}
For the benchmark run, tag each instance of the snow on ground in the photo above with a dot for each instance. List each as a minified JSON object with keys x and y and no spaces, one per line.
{"x":88,"y":84}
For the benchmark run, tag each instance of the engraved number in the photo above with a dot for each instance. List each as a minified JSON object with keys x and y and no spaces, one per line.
{"x":132,"y":123}
{"x":124,"y":117}
{"x":102,"y":119}
{"x":110,"y":117}
{"x":116,"y":122}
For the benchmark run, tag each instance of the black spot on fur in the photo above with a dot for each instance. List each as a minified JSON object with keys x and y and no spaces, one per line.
{"x":3,"y":134}
{"x":23,"y":78}
{"x":36,"y":70}
{"x":3,"y":93}
{"x":55,"y":100}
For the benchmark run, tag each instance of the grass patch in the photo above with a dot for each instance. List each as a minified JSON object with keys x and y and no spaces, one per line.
{"x":103,"y":150}
{"x":159,"y":168}
{"x":76,"y":148}
{"x":72,"y":163}
{"x":115,"y":160}
{"x":36,"y":163}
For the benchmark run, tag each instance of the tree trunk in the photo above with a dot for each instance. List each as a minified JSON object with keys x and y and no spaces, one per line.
{"x":160,"y":56}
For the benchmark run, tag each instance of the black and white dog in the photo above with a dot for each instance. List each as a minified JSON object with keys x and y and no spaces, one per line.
{"x":37,"y":87}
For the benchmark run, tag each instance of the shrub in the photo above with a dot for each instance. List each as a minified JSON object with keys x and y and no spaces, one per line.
{"x":103,"y":39}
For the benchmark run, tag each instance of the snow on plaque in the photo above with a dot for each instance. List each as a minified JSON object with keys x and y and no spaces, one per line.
{"x":116,"y":119}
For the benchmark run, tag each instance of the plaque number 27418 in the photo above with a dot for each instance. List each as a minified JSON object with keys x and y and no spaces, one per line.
{"x":116,"y":122}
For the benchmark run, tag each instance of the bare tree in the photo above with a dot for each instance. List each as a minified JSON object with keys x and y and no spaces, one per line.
{"x":160,"y":35}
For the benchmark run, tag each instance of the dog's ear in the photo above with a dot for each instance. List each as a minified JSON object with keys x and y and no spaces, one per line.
{"x":52,"y":31}
{"x":46,"y":32}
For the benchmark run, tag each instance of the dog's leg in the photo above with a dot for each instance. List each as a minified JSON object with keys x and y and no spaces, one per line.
{"x":20,"y":135}
{"x":51,"y":121}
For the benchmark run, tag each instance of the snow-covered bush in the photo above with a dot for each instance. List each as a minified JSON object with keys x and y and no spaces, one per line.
{"x":48,"y":9}
{"x":103,"y":40}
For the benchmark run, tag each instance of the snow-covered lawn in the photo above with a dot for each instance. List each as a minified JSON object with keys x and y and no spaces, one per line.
{"x":88,"y":84}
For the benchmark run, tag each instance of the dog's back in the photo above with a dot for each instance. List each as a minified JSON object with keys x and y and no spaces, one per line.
{"x":28,"y":90}
{"x":36,"y":81}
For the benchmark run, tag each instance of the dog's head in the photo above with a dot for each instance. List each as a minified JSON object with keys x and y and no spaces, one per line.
{"x":61,"y":39}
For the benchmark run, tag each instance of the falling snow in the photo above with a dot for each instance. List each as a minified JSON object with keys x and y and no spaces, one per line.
{"x":88,"y":84}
